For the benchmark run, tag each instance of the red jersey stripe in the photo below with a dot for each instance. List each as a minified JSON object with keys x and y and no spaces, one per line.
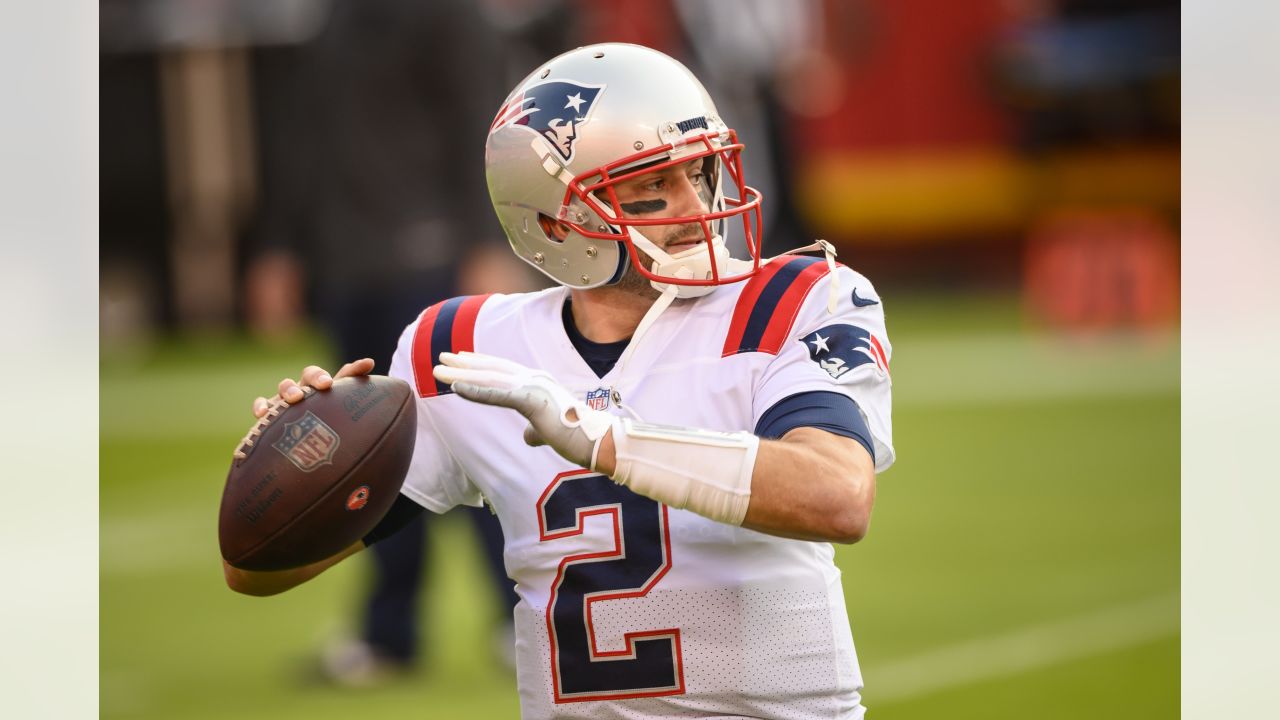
{"x":881,"y":358}
{"x":422,"y":355}
{"x":464,"y":323}
{"x":785,"y":312}
{"x":746,"y":303}
{"x":448,"y":326}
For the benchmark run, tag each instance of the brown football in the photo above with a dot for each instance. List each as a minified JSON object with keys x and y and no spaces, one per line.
{"x":312,"y":478}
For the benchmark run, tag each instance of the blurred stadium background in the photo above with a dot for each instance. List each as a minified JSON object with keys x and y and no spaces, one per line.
{"x":1007,"y":171}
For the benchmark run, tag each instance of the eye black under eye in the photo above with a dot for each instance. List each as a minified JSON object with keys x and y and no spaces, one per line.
{"x":641,"y":207}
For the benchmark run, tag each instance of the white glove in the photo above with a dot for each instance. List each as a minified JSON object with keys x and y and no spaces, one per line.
{"x":555,"y":417}
{"x":703,"y":471}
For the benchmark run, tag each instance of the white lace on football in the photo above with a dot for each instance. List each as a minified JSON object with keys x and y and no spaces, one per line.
{"x":277,"y":405}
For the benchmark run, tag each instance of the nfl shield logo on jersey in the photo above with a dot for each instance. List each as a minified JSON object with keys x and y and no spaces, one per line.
{"x":598,"y":399}
{"x":308,"y":443}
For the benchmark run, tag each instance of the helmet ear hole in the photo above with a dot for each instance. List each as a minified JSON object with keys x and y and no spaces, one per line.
{"x":555,"y":230}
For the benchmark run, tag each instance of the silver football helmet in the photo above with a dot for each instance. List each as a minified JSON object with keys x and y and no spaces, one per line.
{"x":597,"y":116}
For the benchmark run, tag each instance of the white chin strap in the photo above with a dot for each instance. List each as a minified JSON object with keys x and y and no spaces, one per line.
{"x":693,"y":263}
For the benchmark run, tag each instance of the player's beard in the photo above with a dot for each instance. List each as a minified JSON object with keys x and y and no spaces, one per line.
{"x":633,"y":282}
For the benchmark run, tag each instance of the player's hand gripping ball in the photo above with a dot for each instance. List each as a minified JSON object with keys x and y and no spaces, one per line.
{"x":555,"y":417}
{"x":318,"y":470}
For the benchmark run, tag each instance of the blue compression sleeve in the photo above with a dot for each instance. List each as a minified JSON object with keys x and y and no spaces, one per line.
{"x":829,"y":411}
{"x":402,"y":512}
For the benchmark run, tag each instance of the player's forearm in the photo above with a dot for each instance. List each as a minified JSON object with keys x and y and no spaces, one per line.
{"x":263,"y":583}
{"x":812,"y":485}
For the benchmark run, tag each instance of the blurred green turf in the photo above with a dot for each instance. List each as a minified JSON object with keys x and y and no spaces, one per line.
{"x":1037,"y":482}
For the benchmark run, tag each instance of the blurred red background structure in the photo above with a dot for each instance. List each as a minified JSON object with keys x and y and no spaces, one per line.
{"x":1100,"y":270}
{"x":1027,"y":145}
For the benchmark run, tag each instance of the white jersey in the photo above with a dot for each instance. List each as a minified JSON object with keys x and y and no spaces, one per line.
{"x":628,"y":608}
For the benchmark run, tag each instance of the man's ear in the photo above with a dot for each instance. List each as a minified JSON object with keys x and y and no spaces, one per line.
{"x":554,"y":229}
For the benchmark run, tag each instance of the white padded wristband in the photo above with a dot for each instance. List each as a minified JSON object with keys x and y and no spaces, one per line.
{"x":703,"y":471}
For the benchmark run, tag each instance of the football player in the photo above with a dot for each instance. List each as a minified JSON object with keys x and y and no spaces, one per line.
{"x":671,"y":438}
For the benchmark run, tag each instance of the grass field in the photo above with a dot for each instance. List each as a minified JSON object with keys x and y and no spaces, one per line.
{"x":1023,"y":560}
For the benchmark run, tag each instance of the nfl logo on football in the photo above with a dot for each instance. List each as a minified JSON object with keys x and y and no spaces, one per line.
{"x":308,"y":443}
{"x":598,"y":399}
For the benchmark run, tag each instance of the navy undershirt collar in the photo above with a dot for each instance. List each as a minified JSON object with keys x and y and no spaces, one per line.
{"x":600,"y":357}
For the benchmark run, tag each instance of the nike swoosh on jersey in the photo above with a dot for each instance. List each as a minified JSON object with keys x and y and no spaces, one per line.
{"x":863,"y":302}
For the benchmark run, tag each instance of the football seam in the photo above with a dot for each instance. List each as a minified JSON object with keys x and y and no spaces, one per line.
{"x":342,"y":481}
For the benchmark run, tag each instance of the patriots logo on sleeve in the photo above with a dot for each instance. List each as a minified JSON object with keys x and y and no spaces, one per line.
{"x":552,"y":110}
{"x":841,"y":348}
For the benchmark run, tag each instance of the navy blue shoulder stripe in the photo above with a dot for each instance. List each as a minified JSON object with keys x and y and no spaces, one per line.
{"x":769,"y":303}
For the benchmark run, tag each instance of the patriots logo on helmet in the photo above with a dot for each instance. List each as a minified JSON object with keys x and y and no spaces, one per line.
{"x":841,"y":348}
{"x":553,"y":110}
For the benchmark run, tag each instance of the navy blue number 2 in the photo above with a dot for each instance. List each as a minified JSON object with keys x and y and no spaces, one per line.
{"x":650,"y":663}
